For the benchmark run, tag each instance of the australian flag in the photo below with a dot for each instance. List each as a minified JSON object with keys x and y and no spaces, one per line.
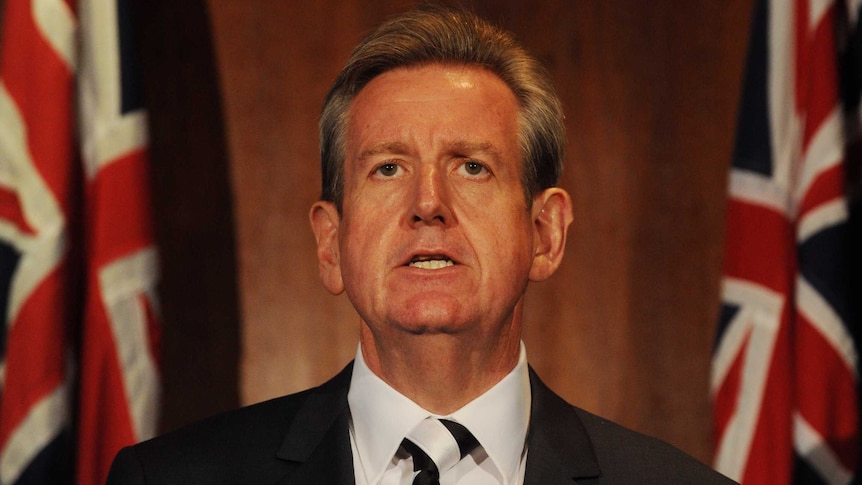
{"x":785,"y":365}
{"x":78,"y":369}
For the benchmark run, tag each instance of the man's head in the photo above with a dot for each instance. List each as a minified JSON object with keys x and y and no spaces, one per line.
{"x":428,"y":229}
{"x":438,"y":35}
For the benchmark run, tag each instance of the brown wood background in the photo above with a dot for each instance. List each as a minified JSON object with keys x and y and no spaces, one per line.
{"x":625,"y":327}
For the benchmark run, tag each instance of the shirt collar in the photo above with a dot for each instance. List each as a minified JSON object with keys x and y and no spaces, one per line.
{"x":382,"y":416}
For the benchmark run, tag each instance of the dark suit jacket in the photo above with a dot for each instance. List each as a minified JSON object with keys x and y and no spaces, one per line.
{"x":304,"y":439}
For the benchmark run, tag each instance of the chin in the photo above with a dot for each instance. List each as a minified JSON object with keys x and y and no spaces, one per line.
{"x":430,"y":319}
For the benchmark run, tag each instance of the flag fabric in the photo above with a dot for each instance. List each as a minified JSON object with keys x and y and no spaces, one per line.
{"x":78,"y":353}
{"x":785,"y":364}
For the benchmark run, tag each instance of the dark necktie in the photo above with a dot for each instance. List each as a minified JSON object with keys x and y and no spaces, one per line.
{"x":431,"y":436}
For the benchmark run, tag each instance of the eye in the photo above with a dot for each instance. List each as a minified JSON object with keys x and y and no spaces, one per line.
{"x":473,"y":168}
{"x":388,"y":169}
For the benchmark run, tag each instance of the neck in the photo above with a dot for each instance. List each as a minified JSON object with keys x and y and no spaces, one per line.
{"x":441,"y":372}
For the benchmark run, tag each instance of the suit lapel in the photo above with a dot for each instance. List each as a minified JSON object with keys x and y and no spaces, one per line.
{"x":558,"y":446}
{"x":317,"y":445}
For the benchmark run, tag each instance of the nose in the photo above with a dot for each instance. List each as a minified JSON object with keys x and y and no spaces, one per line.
{"x":431,"y":198}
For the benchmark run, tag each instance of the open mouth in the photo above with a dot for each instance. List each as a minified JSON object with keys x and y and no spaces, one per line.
{"x":430,"y":262}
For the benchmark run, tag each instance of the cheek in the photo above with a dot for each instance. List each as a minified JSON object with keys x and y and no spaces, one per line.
{"x":501,"y":241}
{"x":351,"y":248}
{"x":364,"y":249}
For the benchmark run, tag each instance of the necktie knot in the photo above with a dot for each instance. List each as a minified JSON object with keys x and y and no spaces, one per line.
{"x":437,"y":445}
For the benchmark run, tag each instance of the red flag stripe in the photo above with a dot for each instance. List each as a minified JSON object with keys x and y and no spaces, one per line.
{"x":764,"y":257}
{"x":116,"y":191}
{"x":11,"y":211}
{"x":817,"y":79}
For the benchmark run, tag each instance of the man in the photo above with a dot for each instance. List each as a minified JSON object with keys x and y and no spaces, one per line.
{"x":442,"y":144}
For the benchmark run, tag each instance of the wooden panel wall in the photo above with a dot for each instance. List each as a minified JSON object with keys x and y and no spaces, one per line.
{"x":624,"y":329}
{"x":193,"y":206}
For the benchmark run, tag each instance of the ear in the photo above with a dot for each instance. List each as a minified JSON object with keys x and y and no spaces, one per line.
{"x":325,"y":220}
{"x":552,"y":214}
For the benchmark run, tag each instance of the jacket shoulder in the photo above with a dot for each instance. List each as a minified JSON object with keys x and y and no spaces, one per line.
{"x":209,"y":451}
{"x":626,"y":456}
{"x":566,"y":442}
{"x":224,"y":448}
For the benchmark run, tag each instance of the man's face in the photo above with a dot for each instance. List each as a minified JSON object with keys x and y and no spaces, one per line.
{"x":435,"y":235}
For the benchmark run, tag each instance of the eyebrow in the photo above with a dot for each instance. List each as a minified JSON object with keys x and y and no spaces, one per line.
{"x":461,"y":147}
{"x":386,"y":147}
{"x":470,"y":148}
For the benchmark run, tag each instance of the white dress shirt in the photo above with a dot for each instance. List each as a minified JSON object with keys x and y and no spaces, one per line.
{"x":381,"y":417}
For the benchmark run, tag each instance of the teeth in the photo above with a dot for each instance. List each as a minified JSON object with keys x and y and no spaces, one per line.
{"x":432,"y":264}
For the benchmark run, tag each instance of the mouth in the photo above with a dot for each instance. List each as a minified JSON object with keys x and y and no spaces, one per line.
{"x":434,"y":261}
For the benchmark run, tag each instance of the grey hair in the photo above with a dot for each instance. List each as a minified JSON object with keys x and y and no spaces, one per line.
{"x":435,"y":34}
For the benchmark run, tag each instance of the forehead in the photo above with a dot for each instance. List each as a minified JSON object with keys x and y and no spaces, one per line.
{"x":460,"y":102}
